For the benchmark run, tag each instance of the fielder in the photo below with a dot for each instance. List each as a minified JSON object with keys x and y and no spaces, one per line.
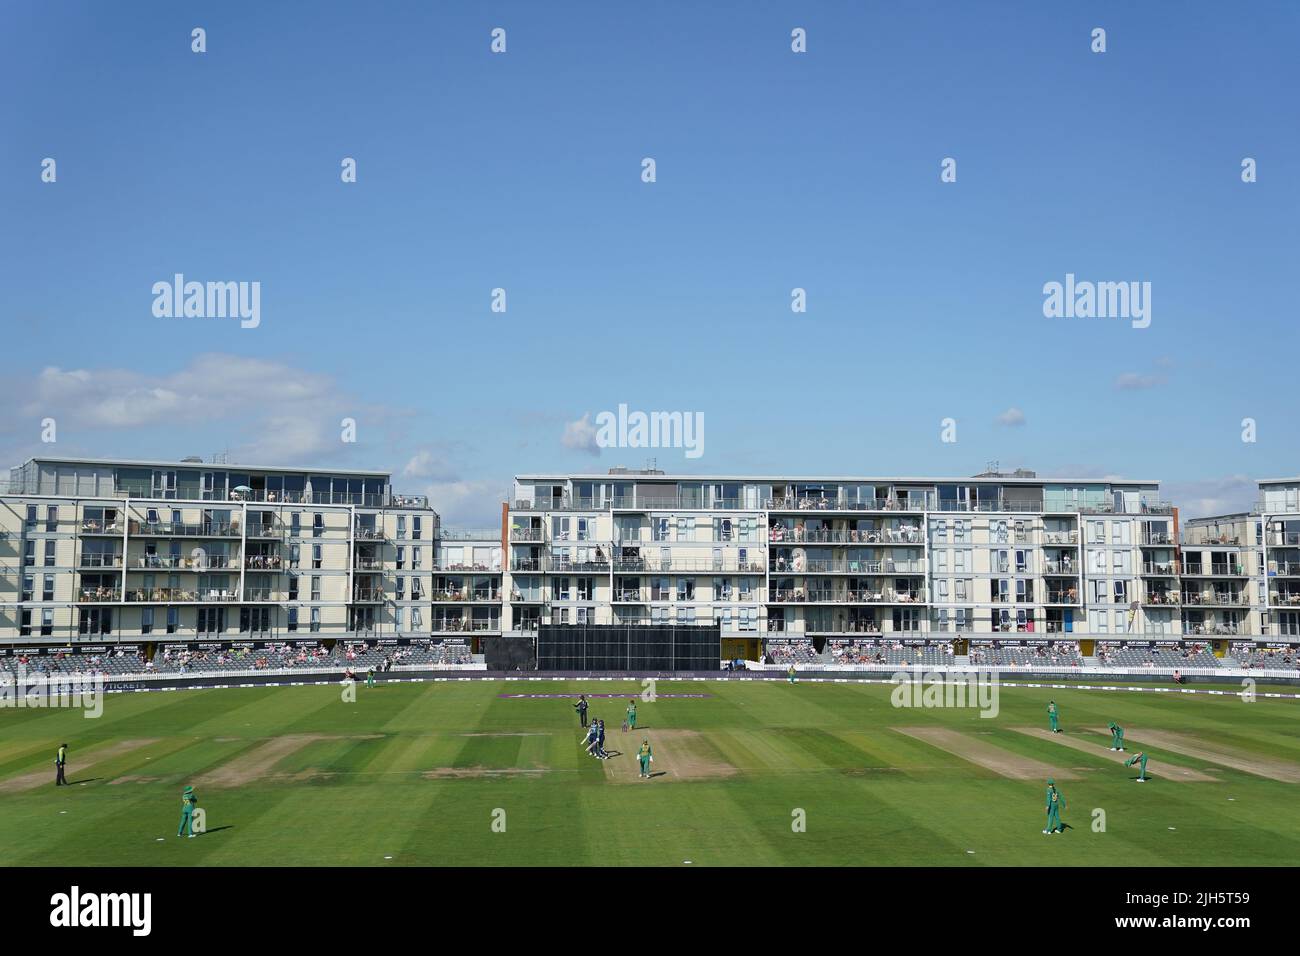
{"x":1142,"y":757}
{"x":1054,"y":804}
{"x":645,"y":756}
{"x":370,"y":677}
{"x":1116,"y":736}
{"x":1053,"y":716}
{"x":791,"y":673}
{"x":188,"y":802}
{"x":631,"y":714}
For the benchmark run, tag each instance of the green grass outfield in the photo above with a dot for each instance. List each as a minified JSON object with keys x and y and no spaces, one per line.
{"x":415,"y":772}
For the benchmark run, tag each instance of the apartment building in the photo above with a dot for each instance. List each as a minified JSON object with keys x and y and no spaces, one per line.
{"x":186,"y":549}
{"x":129,"y":550}
{"x":467,"y":596}
{"x":1241,"y":572}
{"x":894,"y":557}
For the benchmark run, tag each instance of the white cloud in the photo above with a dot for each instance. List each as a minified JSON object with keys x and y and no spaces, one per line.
{"x":1230,"y":494}
{"x":581,"y":435}
{"x":1132,"y":381}
{"x":467,"y":503}
{"x":1012,"y":418}
{"x":257,"y":409}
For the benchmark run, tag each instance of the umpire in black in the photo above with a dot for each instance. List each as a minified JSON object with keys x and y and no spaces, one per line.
{"x":60,"y":762}
{"x":581,"y":708}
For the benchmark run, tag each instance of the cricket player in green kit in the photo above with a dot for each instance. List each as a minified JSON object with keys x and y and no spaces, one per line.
{"x":645,"y":755}
{"x":1116,"y":736}
{"x":188,"y":802}
{"x":1140,"y":756}
{"x":1053,"y":716}
{"x":631,"y":715}
{"x":1054,"y":803}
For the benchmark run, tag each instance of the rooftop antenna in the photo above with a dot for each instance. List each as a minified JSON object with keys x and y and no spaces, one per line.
{"x":993,"y":467}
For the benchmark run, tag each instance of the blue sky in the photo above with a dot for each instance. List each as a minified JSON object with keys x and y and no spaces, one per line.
{"x":775,"y":170}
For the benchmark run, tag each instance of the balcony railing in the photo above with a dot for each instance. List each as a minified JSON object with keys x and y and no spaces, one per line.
{"x":367,"y":596}
{"x":1214,"y":571}
{"x":437,"y":596}
{"x":95,"y":526}
{"x":1162,"y":597}
{"x":99,"y":595}
{"x":1053,"y":539}
{"x":1216,"y":598}
{"x":882,"y":596}
{"x":1164,"y":569}
{"x":100,"y":561}
{"x":170,"y":529}
{"x":1204,"y":537}
{"x":263,"y":562}
{"x":181,"y":595}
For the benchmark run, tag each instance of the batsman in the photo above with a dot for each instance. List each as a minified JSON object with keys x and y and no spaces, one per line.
{"x":1054,"y":804}
{"x":1053,"y":716}
{"x":645,"y":755}
{"x":1116,"y":736}
{"x":1139,"y":758}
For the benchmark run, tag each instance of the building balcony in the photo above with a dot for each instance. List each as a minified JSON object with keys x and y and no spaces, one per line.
{"x":527,"y":534}
{"x":264,"y":562}
{"x":182,"y":595}
{"x":168,"y":529}
{"x":1060,"y":539}
{"x":1162,"y":598}
{"x":94,"y":527}
{"x":1160,"y":569}
{"x":99,"y":561}
{"x":99,"y":595}
{"x":821,"y":596}
{"x":1284,"y":599}
{"x":1216,"y":599}
{"x":1214,"y":571}
{"x":1284,"y":569}
{"x":1208,"y":538}
{"x":1157,"y":539}
{"x":367,"y":596}
{"x":367,"y":564}
{"x":1058,"y":569}
{"x":368,"y":534}
{"x":1065,"y":598}
{"x":466,"y":596}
